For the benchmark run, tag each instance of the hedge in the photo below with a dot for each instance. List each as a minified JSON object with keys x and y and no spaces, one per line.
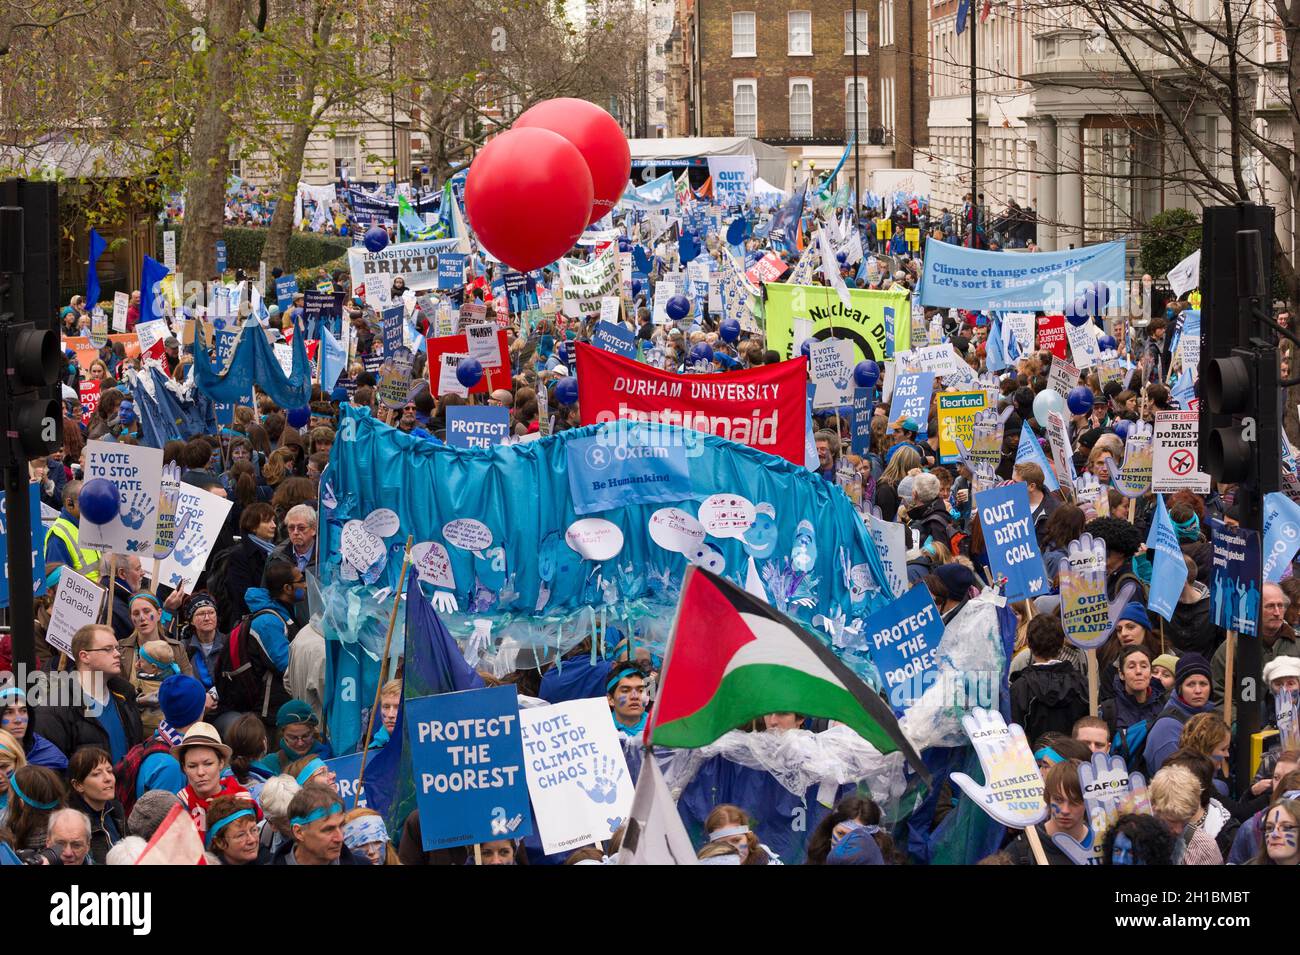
{"x":307,"y":251}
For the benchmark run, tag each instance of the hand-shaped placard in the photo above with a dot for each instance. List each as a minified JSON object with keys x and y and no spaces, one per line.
{"x":1084,"y":608}
{"x":1012,"y":793}
{"x":1107,"y":786}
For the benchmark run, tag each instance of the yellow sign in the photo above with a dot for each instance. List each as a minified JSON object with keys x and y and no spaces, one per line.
{"x":884,"y":228}
{"x":913,"y":237}
{"x":957,"y":411}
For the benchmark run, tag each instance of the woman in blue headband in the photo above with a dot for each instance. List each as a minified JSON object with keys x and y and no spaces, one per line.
{"x":16,"y":718}
{"x":34,"y":793}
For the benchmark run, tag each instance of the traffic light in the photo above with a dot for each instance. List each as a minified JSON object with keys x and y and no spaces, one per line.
{"x":33,"y":422}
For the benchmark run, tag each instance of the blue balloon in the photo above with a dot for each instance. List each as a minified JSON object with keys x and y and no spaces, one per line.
{"x":469,"y":372}
{"x":1122,"y":427}
{"x":866,"y":374}
{"x":624,"y":244}
{"x":736,"y":232}
{"x":729,"y":330}
{"x":806,"y":348}
{"x":99,"y":500}
{"x":841,"y":257}
{"x":376,"y":238}
{"x":678,"y":307}
{"x":701,"y":353}
{"x":566,"y":391}
{"x":298,"y":417}
{"x":1107,"y":343}
{"x":562,"y":353}
{"x":1079,"y":400}
{"x":636,"y":287}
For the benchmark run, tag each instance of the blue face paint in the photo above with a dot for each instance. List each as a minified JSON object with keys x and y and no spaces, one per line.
{"x":1122,"y":851}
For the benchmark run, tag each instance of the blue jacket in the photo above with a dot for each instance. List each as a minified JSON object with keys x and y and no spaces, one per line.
{"x":271,"y":628}
{"x":56,"y":552}
{"x":1164,"y":735}
{"x":44,"y":753}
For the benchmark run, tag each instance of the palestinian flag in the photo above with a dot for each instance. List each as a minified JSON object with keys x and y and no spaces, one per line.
{"x":733,"y":657}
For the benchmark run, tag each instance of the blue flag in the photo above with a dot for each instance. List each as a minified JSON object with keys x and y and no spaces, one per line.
{"x":332,"y":361}
{"x":97,"y":247}
{"x":1168,"y":571}
{"x":434,"y":664}
{"x":1281,"y":534}
{"x":1030,"y":450}
{"x":151,"y":295}
{"x":963,"y":13}
{"x":994,"y":357}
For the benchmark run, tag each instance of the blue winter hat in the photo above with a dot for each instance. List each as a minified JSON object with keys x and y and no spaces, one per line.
{"x":957,"y":579}
{"x":295,"y":711}
{"x":909,"y":424}
{"x":182,"y":699}
{"x":1136,"y":613}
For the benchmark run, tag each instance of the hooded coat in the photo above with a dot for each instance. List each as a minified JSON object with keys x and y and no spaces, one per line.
{"x":1163,"y":738}
{"x":1048,"y":697}
{"x":1190,"y":630}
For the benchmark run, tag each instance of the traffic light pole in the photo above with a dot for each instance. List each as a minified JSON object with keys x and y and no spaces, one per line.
{"x":17,"y":516}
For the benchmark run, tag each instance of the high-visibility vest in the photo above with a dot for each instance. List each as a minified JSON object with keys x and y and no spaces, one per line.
{"x":66,"y":531}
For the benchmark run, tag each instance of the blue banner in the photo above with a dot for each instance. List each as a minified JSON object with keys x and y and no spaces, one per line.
{"x":1281,"y":534}
{"x":451,"y":270}
{"x":1168,"y":571}
{"x":613,"y":469}
{"x":1005,"y":519}
{"x":221,"y":259}
{"x":347,"y":772}
{"x":223,"y":347}
{"x":1235,"y":583}
{"x":477,"y":426}
{"x":38,"y":546}
{"x":614,"y":337}
{"x":468,"y":760}
{"x":976,"y":280}
{"x":390,"y":325}
{"x":286,"y":286}
{"x":903,"y":639}
{"x":863,"y":404}
{"x":912,"y":397}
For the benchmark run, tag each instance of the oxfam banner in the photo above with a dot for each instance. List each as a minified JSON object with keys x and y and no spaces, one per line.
{"x":878,"y":323}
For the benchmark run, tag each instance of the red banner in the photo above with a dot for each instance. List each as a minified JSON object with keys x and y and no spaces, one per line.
{"x":767,"y":269}
{"x":89,"y":400}
{"x":765,"y":408}
{"x":1051,"y":335}
{"x":499,"y":377}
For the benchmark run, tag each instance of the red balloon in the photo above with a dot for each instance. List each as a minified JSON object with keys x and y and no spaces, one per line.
{"x":527,"y":196}
{"x":598,"y":138}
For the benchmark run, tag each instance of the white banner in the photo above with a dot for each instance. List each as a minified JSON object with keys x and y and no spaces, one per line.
{"x":77,"y":602}
{"x":577,"y":776}
{"x":586,"y":284}
{"x":1175,"y":455}
{"x":1186,"y":275}
{"x":200,"y":515}
{"x":137,"y":473}
{"x":733,"y":178}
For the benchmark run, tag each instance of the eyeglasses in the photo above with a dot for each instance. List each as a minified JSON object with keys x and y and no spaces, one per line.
{"x":77,"y":846}
{"x":299,"y":738}
{"x":113,"y":649}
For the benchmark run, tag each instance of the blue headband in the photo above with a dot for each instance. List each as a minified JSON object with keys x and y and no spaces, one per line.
{"x":18,"y":790}
{"x":310,"y":770}
{"x":222,"y":823}
{"x":316,"y":815}
{"x":173,"y":668}
{"x":1049,"y":754}
{"x":144,"y":595}
{"x":621,"y":675}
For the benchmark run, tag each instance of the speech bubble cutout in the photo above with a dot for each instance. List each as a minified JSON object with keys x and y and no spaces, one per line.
{"x":675,"y":530}
{"x":467,"y":534}
{"x":382,"y":522}
{"x":594,"y":538}
{"x":433,"y":564}
{"x":359,"y":547}
{"x":726,"y":515}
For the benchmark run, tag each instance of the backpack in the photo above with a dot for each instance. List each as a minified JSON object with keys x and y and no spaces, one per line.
{"x":1043,"y":717}
{"x":215,"y":584}
{"x":245,"y":676}
{"x":127,"y":772}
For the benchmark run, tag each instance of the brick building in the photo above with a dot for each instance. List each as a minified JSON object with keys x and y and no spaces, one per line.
{"x":782,"y":71}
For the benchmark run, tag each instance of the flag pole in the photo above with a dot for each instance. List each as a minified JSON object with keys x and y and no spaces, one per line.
{"x":383,"y":669}
{"x":668,"y":656}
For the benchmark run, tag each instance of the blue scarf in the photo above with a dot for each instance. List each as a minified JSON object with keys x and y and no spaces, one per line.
{"x":267,"y":546}
{"x":635,"y":730}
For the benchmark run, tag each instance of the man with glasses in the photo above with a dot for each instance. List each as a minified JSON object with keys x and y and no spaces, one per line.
{"x":300,"y":550}
{"x":93,"y":706}
{"x":69,"y":836}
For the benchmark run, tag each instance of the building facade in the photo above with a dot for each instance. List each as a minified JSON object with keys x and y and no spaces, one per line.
{"x":783,"y":71}
{"x":1066,"y":124}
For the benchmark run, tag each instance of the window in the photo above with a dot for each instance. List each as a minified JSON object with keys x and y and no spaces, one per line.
{"x":744,"y":107}
{"x":1212,"y":143}
{"x":799,"y":32}
{"x":236,"y":164}
{"x":862,"y":116}
{"x":742,"y":35}
{"x":863,"y":35}
{"x":345,"y":157}
{"x":886,"y":18}
{"x":659,"y":77}
{"x":659,"y":49}
{"x":801,"y":123}
{"x":887,"y":102}
{"x":661,"y":23}
{"x":660,"y":104}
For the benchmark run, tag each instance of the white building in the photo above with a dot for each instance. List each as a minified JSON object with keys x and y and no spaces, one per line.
{"x":1066,"y":128}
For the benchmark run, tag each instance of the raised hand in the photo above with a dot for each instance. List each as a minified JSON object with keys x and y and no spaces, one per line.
{"x":605,"y":774}
{"x":1106,"y":784}
{"x":1012,"y":793}
{"x":141,"y":508}
{"x":1084,"y":609}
